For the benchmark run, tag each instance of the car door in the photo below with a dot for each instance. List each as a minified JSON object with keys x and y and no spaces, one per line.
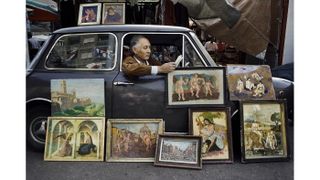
{"x":146,"y":96}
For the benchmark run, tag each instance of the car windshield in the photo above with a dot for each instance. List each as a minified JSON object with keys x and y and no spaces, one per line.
{"x":83,"y":51}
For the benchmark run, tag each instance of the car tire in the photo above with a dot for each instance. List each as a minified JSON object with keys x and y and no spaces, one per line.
{"x":36,"y":127}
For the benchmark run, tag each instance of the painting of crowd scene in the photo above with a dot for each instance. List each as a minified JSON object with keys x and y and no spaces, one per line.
{"x":77,"y":97}
{"x":75,"y":139}
{"x":264,"y":133}
{"x":196,"y":87}
{"x":133,"y":140}
{"x":212,"y":126}
{"x":250,"y":82}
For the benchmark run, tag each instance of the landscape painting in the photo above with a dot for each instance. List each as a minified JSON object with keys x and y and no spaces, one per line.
{"x":213,"y":125}
{"x":196,"y":86}
{"x":77,"y":97}
{"x":75,"y":139}
{"x":132,"y":140}
{"x":250,"y":82}
{"x":264,"y":130}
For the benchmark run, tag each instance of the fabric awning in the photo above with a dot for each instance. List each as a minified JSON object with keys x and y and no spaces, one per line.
{"x":42,"y":10}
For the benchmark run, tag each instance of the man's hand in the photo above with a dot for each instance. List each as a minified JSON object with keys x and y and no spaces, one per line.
{"x":167,"y":67}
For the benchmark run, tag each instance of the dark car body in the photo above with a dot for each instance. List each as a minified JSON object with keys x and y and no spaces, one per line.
{"x":125,"y":97}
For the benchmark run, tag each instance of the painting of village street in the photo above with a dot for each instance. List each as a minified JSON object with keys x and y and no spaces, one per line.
{"x":196,"y":87}
{"x":264,"y":134}
{"x":75,"y":139}
{"x":132,"y":140}
{"x":212,"y":126}
{"x":250,"y":82}
{"x":77,"y":97}
{"x":179,"y":150}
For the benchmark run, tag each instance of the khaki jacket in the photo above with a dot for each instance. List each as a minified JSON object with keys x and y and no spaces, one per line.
{"x":132,"y":68}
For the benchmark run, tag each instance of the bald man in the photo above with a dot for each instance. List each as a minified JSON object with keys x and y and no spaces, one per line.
{"x":141,"y":63}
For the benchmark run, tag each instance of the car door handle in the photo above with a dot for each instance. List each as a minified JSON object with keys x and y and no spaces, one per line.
{"x":120,"y":83}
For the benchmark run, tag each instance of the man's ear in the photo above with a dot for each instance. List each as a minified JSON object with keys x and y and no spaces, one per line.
{"x":134,"y":49}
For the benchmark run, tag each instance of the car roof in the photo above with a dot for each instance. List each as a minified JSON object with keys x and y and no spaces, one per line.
{"x":122,"y":28}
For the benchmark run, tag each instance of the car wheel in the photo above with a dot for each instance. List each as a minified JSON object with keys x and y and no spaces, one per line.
{"x":36,"y":127}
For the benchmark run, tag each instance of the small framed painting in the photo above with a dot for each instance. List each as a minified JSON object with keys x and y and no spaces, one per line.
{"x":196,"y":86}
{"x":113,"y":13}
{"x":89,"y":14}
{"x":214,"y":126}
{"x":75,"y":139}
{"x":250,"y":82}
{"x":183,"y":151}
{"x":132,"y":140}
{"x":263,"y":131}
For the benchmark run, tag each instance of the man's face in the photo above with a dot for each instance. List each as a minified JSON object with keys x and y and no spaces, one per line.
{"x":142,"y":49}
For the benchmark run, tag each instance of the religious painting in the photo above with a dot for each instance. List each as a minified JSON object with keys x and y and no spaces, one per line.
{"x":250,"y":82}
{"x":214,"y":126}
{"x":263,"y":126}
{"x":196,"y":86}
{"x":113,"y":13}
{"x":132,"y":140}
{"x":77,"y":97}
{"x":89,"y":14}
{"x":183,"y":151}
{"x":75,"y":139}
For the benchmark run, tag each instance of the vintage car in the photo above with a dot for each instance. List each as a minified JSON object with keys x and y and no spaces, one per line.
{"x":92,"y":52}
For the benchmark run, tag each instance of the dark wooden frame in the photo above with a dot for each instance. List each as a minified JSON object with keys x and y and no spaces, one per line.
{"x":227,"y":110}
{"x":198,"y":70}
{"x":157,"y":161}
{"x":283,"y":114}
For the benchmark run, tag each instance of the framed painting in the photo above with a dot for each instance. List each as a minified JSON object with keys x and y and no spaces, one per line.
{"x":77,"y":97}
{"x":263,"y":131}
{"x":183,"y":151}
{"x":214,"y":126}
{"x":113,"y":13}
{"x":132,"y":140}
{"x":89,"y":14}
{"x":250,"y":82}
{"x":196,"y":86}
{"x":75,"y":139}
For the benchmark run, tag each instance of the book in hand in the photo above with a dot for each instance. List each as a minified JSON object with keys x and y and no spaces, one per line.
{"x":178,"y":60}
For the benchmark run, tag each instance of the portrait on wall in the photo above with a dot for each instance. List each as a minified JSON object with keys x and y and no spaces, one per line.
{"x":132,"y":140}
{"x":77,"y":97}
{"x":113,"y":13}
{"x":179,"y":151}
{"x":214,"y":126}
{"x":89,"y":14}
{"x":75,"y":139}
{"x":196,"y":86}
{"x":263,"y":131}
{"x":250,"y":82}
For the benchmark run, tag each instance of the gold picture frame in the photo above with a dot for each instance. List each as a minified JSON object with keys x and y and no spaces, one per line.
{"x":132,"y":140}
{"x":113,"y":13}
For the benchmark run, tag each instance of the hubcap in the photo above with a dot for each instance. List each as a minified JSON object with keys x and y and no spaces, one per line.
{"x":37,"y":129}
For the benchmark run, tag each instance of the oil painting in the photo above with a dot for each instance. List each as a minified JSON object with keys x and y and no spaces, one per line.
{"x":250,"y":82}
{"x":196,"y":86}
{"x":179,"y":151}
{"x":75,"y":139}
{"x":113,"y":13}
{"x":77,"y":97}
{"x":89,"y":14}
{"x":214,"y":126}
{"x":132,"y":140}
{"x":263,"y":128}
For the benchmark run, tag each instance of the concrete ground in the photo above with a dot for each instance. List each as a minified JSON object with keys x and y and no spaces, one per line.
{"x":37,"y":169}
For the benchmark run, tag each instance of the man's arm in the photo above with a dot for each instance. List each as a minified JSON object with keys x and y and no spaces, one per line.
{"x":133,"y":68}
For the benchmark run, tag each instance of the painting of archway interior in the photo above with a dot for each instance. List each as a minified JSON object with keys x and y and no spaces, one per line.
{"x":75,"y":139}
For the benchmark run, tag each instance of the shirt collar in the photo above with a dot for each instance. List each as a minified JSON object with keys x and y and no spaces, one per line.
{"x":140,"y":61}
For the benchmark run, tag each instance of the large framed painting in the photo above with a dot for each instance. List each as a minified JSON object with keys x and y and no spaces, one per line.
{"x":263,"y":131}
{"x":196,"y":86}
{"x":75,"y":139}
{"x":250,"y":82}
{"x":132,"y":140}
{"x":214,"y":126}
{"x":113,"y":13}
{"x":183,"y":151}
{"x":89,"y":14}
{"x":77,"y":97}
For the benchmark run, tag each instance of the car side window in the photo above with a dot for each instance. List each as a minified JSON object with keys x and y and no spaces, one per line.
{"x":83,"y":51}
{"x":191,"y":57}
